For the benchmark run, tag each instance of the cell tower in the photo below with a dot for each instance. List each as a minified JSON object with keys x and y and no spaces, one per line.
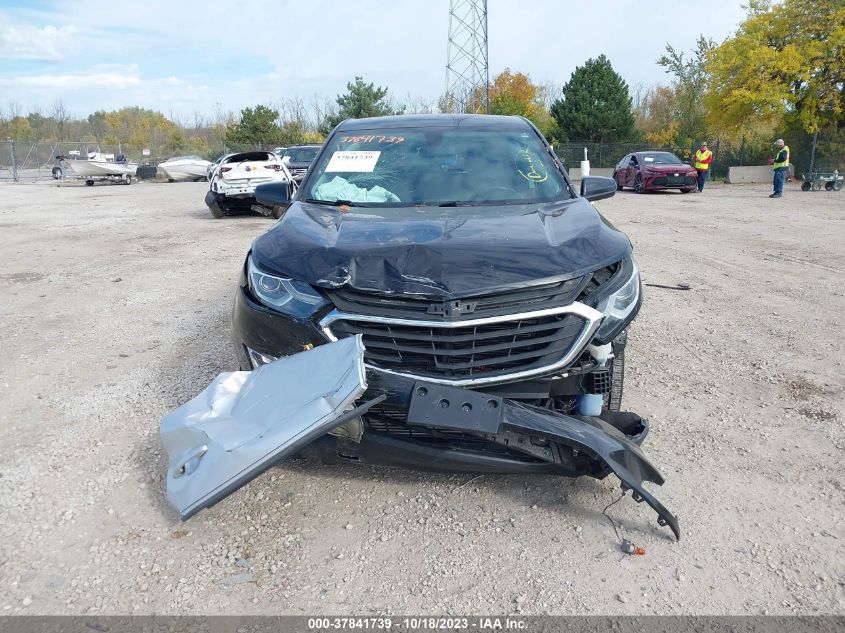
{"x":467,"y":71}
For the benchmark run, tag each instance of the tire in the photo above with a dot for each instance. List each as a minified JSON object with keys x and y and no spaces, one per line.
{"x":690,"y":190}
{"x":806,"y":185}
{"x":618,"y":186}
{"x":213,"y":203}
{"x":89,"y":183}
{"x":639,"y":187}
{"x":58,"y":173}
{"x":828,"y":186}
{"x":127,"y":179}
{"x":837,"y":186}
{"x":817,"y":186}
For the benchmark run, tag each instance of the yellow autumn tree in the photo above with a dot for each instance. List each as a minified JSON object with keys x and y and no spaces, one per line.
{"x":785,"y":64}
{"x":513,"y":93}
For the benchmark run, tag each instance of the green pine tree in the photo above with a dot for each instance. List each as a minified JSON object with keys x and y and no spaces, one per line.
{"x":360,"y":101}
{"x":257,"y":127}
{"x":595,"y":106}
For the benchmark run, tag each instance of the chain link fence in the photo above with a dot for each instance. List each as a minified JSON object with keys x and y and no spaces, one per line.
{"x":609,"y":154}
{"x":725,"y":154}
{"x":27,"y":161}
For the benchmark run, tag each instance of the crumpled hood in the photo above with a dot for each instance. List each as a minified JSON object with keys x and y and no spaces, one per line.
{"x":439,"y":252}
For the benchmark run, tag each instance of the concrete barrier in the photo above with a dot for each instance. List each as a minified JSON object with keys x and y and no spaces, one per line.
{"x":753,"y":173}
{"x":575,"y":172}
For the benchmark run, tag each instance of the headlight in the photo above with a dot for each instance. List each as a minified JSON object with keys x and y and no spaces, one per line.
{"x":618,"y":307}
{"x":291,"y":297}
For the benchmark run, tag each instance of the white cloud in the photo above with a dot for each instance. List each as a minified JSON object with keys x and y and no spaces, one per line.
{"x":191,"y":55}
{"x":107,"y":76}
{"x":47,"y":43}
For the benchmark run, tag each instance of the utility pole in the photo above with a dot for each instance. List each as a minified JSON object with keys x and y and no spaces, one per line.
{"x":467,"y":68}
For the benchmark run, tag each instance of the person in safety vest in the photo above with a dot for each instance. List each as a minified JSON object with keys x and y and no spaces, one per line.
{"x":780,"y":166}
{"x":703,"y":158}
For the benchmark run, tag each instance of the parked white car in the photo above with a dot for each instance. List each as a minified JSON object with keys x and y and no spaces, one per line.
{"x":233,"y":182}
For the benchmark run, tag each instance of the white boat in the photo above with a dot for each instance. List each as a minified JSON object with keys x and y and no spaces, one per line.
{"x":185,"y":168}
{"x":100,"y":165}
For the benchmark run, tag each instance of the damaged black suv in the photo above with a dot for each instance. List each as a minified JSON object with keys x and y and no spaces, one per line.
{"x":492,"y":299}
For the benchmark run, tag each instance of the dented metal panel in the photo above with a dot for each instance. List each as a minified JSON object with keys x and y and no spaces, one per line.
{"x":244,"y":422}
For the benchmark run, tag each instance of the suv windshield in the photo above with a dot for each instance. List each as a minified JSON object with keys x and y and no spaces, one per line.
{"x":302,"y":155}
{"x":439,"y":166}
{"x":660,"y":158}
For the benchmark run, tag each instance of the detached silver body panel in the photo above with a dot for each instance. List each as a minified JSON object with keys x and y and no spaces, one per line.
{"x":244,"y":422}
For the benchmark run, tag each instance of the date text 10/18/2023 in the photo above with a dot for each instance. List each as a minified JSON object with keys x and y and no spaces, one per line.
{"x":422,"y":623}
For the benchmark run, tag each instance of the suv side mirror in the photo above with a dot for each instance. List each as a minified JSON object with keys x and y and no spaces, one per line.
{"x":597,"y":187}
{"x":273,"y":194}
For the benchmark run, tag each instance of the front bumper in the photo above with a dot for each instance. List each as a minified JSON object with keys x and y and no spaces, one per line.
{"x":664,"y":181}
{"x":246,"y":421}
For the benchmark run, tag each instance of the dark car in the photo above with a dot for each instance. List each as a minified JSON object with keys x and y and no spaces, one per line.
{"x":492,"y":299}
{"x":650,"y":171}
{"x":299,"y":158}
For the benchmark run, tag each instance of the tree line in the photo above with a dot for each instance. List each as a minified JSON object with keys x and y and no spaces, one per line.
{"x":782,"y":74}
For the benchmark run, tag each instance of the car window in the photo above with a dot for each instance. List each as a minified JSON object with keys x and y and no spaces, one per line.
{"x":436,"y":166}
{"x":661,"y":158}
{"x":302,"y":155}
{"x":239,"y":158}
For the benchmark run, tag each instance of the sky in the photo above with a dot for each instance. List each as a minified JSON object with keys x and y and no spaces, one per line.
{"x":185,"y":58}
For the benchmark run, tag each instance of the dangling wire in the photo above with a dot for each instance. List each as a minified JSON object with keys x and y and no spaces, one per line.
{"x":627,"y":546}
{"x":609,"y":518}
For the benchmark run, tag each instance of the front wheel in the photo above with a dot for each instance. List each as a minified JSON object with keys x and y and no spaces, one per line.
{"x":618,"y":186}
{"x":639,"y":187}
{"x":837,"y":186}
{"x":688,"y":190}
{"x":217,"y":210}
{"x":806,"y":185}
{"x":58,"y":173}
{"x":89,"y":183}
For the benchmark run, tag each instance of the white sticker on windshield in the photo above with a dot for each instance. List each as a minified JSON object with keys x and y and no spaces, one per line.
{"x":648,"y":159}
{"x":352,"y":162}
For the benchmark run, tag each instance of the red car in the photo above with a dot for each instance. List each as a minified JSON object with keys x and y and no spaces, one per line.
{"x":649,"y":171}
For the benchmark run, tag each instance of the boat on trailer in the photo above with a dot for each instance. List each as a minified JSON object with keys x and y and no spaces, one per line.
{"x":185,"y":168}
{"x":100,"y":166}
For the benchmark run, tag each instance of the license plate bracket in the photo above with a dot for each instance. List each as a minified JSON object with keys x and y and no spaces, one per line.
{"x":444,"y":407}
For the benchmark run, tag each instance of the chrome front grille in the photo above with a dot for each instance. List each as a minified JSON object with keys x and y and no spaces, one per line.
{"x":471,"y":352}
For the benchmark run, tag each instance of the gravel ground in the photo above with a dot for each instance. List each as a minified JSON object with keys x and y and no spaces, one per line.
{"x":115,"y":308}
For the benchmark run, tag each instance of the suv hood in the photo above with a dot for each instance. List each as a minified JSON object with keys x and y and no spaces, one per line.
{"x":439,"y":252}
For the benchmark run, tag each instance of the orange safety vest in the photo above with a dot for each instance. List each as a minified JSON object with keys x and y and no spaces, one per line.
{"x":700,"y":157}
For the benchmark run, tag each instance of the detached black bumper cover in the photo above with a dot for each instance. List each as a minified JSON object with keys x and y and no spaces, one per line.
{"x":600,"y":440}
{"x":548,"y":435}
{"x":246,"y":421}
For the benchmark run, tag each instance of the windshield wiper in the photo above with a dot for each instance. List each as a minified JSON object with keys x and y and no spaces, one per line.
{"x":455,"y":203}
{"x":334,"y":203}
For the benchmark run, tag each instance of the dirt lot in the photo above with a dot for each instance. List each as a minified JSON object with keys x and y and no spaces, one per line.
{"x":115,"y":308}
